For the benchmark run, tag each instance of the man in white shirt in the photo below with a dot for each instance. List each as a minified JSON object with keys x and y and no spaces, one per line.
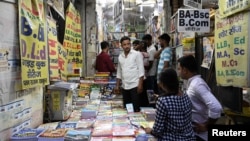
{"x":130,"y":72}
{"x":206,"y":108}
{"x":151,"y":75}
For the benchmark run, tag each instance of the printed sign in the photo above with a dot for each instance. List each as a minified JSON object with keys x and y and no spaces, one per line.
{"x":193,"y":3}
{"x":118,"y":14}
{"x":231,"y":50}
{"x":193,"y":20}
{"x":53,"y":49}
{"x":72,"y":42}
{"x":230,"y":7}
{"x":33,"y":44}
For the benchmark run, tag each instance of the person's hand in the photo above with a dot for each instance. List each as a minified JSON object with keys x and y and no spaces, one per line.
{"x":139,"y":89}
{"x":116,"y":90}
{"x":156,"y":95}
{"x":147,"y":130}
{"x":199,"y":127}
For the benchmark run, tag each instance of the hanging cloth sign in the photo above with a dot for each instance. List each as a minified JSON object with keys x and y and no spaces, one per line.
{"x":232,"y":50}
{"x":33,"y":43}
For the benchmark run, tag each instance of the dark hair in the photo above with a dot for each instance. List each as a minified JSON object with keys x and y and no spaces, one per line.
{"x":104,"y":44}
{"x":169,"y":79}
{"x":124,"y":38}
{"x":137,"y":42}
{"x":147,"y":37}
{"x":165,"y":37}
{"x":143,"y":45}
{"x":189,"y":63}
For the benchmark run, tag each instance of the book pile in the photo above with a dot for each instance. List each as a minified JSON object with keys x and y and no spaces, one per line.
{"x":53,"y":135}
{"x":148,"y":113}
{"x":102,"y":77}
{"x":78,"y":135}
{"x":89,"y":112}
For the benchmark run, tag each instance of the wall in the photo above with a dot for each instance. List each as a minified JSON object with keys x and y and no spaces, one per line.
{"x":18,"y":108}
{"x":91,"y":36}
{"x":24,"y":108}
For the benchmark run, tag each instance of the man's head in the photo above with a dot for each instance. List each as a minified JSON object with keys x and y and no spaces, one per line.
{"x":136,"y":44}
{"x":148,"y":39}
{"x":126,"y":44}
{"x":164,"y":40}
{"x":187,"y":66}
{"x":169,"y":81}
{"x":104,"y":45}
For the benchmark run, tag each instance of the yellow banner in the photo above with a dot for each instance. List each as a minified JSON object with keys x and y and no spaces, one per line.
{"x":53,"y":49}
{"x":230,"y":7}
{"x":33,"y":43}
{"x":72,"y":39}
{"x":231,"y":50}
{"x":62,"y":62}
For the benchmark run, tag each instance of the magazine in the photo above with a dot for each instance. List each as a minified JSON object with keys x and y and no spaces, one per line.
{"x":151,"y":96}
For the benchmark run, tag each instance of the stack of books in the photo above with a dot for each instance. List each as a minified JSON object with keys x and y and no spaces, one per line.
{"x":102,"y":77}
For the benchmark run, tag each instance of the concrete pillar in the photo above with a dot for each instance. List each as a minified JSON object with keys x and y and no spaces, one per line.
{"x":89,"y":34}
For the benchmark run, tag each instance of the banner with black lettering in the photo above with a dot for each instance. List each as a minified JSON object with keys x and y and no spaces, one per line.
{"x":33,"y":43}
{"x":195,"y":20}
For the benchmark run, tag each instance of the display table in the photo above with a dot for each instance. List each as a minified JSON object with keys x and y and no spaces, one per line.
{"x":107,"y":119}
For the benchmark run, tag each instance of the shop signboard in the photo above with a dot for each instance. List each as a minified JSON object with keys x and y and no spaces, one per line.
{"x":197,"y":4}
{"x":193,"y":20}
{"x":232,"y":50}
{"x":118,"y":12}
{"x":230,"y":7}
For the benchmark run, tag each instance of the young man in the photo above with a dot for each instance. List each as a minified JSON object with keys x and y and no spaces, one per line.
{"x":164,"y":55}
{"x":130,"y":72}
{"x":206,"y":108}
{"x":136,"y":44}
{"x":151,"y":75}
{"x":103,"y":61}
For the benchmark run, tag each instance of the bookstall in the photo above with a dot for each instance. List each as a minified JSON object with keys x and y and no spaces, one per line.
{"x":219,"y":52}
{"x":96,"y":113}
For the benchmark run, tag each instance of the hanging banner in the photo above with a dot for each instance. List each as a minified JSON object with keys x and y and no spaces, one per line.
{"x":72,"y":39}
{"x":53,"y":50}
{"x":231,"y":50}
{"x":62,"y":61}
{"x":230,"y":7}
{"x":33,"y":43}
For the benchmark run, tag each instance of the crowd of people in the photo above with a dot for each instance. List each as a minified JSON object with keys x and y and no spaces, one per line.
{"x":180,"y":115}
